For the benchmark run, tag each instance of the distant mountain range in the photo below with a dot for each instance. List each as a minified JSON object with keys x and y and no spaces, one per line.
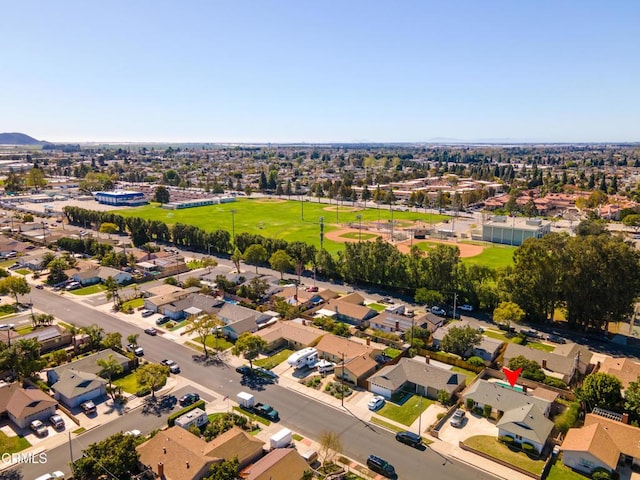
{"x":18,"y":139}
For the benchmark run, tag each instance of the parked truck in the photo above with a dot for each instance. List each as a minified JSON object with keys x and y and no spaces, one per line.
{"x":281,"y":439}
{"x":247,"y":402}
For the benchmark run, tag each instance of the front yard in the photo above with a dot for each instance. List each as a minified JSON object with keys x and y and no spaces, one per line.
{"x":407,"y":412}
{"x":273,"y":360}
{"x":12,"y":444}
{"x":91,"y":289}
{"x":132,"y":304}
{"x":492,"y":447}
{"x":128,"y":383}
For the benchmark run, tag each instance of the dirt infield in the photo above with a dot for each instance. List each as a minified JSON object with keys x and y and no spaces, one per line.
{"x":271,"y":200}
{"x":466,"y":250}
{"x":342,"y":209}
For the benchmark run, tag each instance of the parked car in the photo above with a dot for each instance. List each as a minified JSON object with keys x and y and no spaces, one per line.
{"x":530,"y":333}
{"x":7,"y":326}
{"x":188,"y":399}
{"x":133,"y":433}
{"x":151,"y":331}
{"x":388,"y":300}
{"x":556,"y":339}
{"x":56,"y":422}
{"x":163,"y":320}
{"x":466,"y":307}
{"x":147,"y":313}
{"x":135,"y":349}
{"x":40,"y":428}
{"x":57,"y":475}
{"x":88,"y":407}
{"x":376,"y":402}
{"x":325,"y":366}
{"x":312,"y":289}
{"x":409,"y":438}
{"x":381,"y":466}
{"x":244,"y":370}
{"x":267,"y":373}
{"x":73,"y":286}
{"x":438,"y":311}
{"x":40,"y":286}
{"x":173,"y":366}
{"x":457,"y":419}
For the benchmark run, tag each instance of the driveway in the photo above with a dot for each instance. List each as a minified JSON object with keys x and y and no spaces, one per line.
{"x":474,"y":425}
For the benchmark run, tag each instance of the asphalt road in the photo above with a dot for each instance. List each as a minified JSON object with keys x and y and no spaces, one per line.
{"x":298,"y":412}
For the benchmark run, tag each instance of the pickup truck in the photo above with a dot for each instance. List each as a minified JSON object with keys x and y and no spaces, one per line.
{"x":247,"y":402}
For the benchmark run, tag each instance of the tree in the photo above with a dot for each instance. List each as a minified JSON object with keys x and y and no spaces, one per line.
{"x":47,"y":258}
{"x":95,"y":334}
{"x":36,"y":179}
{"x":281,"y":261}
{"x":428,"y":297}
{"x":192,"y":282}
{"x":152,"y":375}
{"x":15,"y":286}
{"x":236,"y":257}
{"x":301,"y":253}
{"x":632,"y":399}
{"x":116,"y":454}
{"x":601,"y":390}
{"x":113,"y":289}
{"x":508,"y":312}
{"x":25,"y":355}
{"x":161,"y":194}
{"x":632,"y":220}
{"x":109,"y":367}
{"x":108,"y":228}
{"x":209,"y":263}
{"x":225,"y":470}
{"x":255,"y":255}
{"x":249,"y":346}
{"x":204,"y":326}
{"x":133,"y":338}
{"x":112,"y":340}
{"x":330,"y":446}
{"x":460,"y":340}
{"x":530,"y":368}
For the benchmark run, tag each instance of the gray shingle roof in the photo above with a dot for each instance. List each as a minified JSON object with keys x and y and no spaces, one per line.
{"x":527,"y":421}
{"x":502,"y":398}
{"x":419,"y":373}
{"x":73,"y":383}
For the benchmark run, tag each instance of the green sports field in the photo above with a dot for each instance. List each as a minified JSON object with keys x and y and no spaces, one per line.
{"x":277,"y":218}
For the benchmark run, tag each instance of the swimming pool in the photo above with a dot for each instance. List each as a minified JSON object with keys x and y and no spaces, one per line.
{"x":517,"y":388}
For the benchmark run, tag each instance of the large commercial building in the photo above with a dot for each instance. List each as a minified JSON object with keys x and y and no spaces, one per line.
{"x":120,"y":197}
{"x":513,"y":230}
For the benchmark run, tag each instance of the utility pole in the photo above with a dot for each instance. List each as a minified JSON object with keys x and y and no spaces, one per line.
{"x":455,"y":300}
{"x":359,"y":217}
{"x":342,"y":382}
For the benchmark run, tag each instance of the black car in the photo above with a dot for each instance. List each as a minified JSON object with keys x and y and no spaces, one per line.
{"x":244,"y":370}
{"x":188,"y":399}
{"x":409,"y":438}
{"x":163,"y":320}
{"x":378,"y":465}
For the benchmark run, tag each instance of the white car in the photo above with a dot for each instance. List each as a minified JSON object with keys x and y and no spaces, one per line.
{"x":466,"y":308}
{"x":7,"y":326}
{"x":438,"y":311}
{"x":376,"y":402}
{"x":133,"y":433}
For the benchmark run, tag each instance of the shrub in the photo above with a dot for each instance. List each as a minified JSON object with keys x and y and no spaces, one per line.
{"x":470,"y":403}
{"x":476,"y":361}
{"x":440,"y":415}
{"x":143,"y":392}
{"x":506,"y":439}
{"x":555,"y":382}
{"x":486,"y":410}
{"x":600,"y":474}
{"x":528,"y":448}
{"x":444,"y":398}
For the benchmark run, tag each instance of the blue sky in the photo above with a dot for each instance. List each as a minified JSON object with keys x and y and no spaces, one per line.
{"x":328,"y":71}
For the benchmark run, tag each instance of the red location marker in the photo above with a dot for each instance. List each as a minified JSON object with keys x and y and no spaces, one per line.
{"x":512,"y":375}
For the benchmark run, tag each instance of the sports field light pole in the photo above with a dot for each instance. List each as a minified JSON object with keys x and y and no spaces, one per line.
{"x":321,"y":232}
{"x":359,"y":217}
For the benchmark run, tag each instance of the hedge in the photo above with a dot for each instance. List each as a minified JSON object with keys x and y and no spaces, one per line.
{"x":172,"y":418}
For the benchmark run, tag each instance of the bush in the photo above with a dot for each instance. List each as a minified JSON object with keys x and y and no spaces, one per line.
{"x":600,"y":474}
{"x":528,"y":448}
{"x":172,"y":418}
{"x":506,"y":439}
{"x":555,"y":382}
{"x":470,"y":403}
{"x":144,"y":391}
{"x":486,"y":411}
{"x":440,"y":415}
{"x":476,"y":361}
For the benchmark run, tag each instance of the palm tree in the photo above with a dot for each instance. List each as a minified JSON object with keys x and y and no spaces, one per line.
{"x":112,"y":291}
{"x":110,"y":366}
{"x":133,"y":338}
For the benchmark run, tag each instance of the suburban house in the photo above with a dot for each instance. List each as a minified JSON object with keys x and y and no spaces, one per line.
{"x":100,"y":274}
{"x":349,"y":312}
{"x":562,"y":363}
{"x":416,"y":377}
{"x":300,"y":297}
{"x":193,"y":304}
{"x":443,"y":331}
{"x":503,"y":398}
{"x":156,"y":303}
{"x":177,"y":454}
{"x":392,"y":322}
{"x":526,"y":424}
{"x":429,"y":321}
{"x":88,"y":364}
{"x":50,"y":338}
{"x":74,"y":387}
{"x":279,"y":463}
{"x":624,"y":369}
{"x":23,"y":405}
{"x":603,"y":442}
{"x":163,"y":289}
{"x":290,"y":334}
{"x":32,"y":261}
{"x":334,"y":348}
{"x":488,"y":349}
{"x":357,"y":369}
{"x":239,"y":319}
{"x":163,"y":266}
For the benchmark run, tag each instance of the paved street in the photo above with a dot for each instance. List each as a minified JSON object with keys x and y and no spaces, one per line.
{"x":298,"y":412}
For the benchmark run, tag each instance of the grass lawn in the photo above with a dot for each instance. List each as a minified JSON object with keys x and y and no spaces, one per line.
{"x":492,"y":447}
{"x":467,"y":373}
{"x":7,"y":263}
{"x":98,"y":287}
{"x":176,"y":325}
{"x":23,"y":271}
{"x":493,"y":256}
{"x":274,"y":218}
{"x":540,"y":346}
{"x":12,"y":444}
{"x":253,"y":417}
{"x":377,"y":307}
{"x":559,"y":471}
{"x":128,"y":383}
{"x":297,"y":437}
{"x":222,"y":345}
{"x":8,"y":309}
{"x":273,"y":360}
{"x":426,"y":246}
{"x":24,"y":330}
{"x":517,"y":339}
{"x":406,"y":413}
{"x":135,"y":303}
{"x":358,"y":236}
{"x":78,"y":431}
